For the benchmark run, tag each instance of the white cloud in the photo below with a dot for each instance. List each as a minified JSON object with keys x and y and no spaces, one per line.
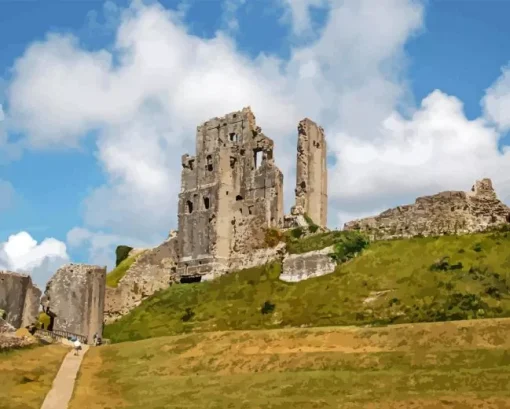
{"x":101,"y":246}
{"x":147,"y":94}
{"x":21,"y":253}
{"x":496,"y":102}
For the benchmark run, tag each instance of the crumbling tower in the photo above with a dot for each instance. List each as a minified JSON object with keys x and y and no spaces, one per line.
{"x":231,"y":191}
{"x":311,"y":173}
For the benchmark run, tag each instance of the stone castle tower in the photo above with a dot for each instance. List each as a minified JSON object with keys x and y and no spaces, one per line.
{"x":311,"y":173}
{"x":231,"y":192}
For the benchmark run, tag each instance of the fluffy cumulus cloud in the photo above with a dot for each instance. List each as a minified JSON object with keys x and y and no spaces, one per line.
{"x":144,"y":97}
{"x":101,"y":245}
{"x":21,"y":253}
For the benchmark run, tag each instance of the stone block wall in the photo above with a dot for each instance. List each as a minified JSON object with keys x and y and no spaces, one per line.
{"x":299,"y":267}
{"x":19,"y":298}
{"x":76,"y":296}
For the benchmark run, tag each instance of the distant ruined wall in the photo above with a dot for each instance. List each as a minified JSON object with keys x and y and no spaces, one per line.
{"x":152,"y":271}
{"x":450,"y":212}
{"x":231,"y":191}
{"x":17,"y":298}
{"x":311,"y":173}
{"x":76,"y":295}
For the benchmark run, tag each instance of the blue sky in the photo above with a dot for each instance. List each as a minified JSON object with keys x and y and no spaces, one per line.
{"x":90,"y":155}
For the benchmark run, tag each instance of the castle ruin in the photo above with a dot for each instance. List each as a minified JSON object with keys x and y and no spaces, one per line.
{"x":74,"y":299}
{"x":447,"y":212}
{"x":19,"y":298}
{"x":232,"y":191}
{"x":311,"y":173}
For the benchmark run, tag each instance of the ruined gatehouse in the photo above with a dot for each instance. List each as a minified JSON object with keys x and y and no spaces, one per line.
{"x":74,"y":299}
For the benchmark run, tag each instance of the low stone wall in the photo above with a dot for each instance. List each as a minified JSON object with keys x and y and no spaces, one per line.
{"x":299,"y":267}
{"x":257,"y":258}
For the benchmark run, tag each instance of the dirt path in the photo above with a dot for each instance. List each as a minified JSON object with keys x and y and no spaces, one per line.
{"x":62,"y":390}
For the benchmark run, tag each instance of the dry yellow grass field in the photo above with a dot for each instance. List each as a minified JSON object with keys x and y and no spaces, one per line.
{"x":464,"y":364}
{"x":26,"y":375}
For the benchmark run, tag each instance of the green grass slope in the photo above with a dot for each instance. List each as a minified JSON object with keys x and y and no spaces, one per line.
{"x":114,"y":276}
{"x":435,"y":365}
{"x":394,"y":281}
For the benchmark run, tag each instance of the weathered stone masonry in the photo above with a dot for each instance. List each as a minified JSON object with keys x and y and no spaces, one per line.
{"x":311,"y":173}
{"x":75,"y":295}
{"x":231,"y":192}
{"x":19,"y":298}
{"x":450,"y":212}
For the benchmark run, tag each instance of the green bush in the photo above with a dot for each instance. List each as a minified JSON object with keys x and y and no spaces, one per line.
{"x":272,"y":237}
{"x":267,"y":308}
{"x":121,"y":253}
{"x":349,"y":247}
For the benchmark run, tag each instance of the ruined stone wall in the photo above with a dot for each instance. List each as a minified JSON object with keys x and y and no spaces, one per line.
{"x":32,"y":305}
{"x":299,"y":267}
{"x":153,"y":270}
{"x":75,"y":294}
{"x":450,"y":212}
{"x":311,"y":173}
{"x":19,"y":298}
{"x":231,"y":191}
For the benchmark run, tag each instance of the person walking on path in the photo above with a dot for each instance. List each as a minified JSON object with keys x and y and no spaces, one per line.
{"x":77,"y":346}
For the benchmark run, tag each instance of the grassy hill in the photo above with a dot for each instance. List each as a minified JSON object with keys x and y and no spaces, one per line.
{"x":397,"y":281}
{"x":462,"y":364}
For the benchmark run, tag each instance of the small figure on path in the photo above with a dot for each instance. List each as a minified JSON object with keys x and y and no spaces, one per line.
{"x":77,"y":346}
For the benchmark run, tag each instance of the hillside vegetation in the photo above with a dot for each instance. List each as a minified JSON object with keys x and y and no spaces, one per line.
{"x":398,"y":281}
{"x":456,"y":365}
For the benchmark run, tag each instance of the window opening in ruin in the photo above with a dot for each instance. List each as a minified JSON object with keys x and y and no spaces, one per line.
{"x":257,"y":157}
{"x":269,"y":154}
{"x":233,"y":137}
{"x":209,"y":165}
{"x":206,"y":202}
{"x":235,"y":115}
{"x":189,"y":205}
{"x":191,"y":279}
{"x":241,"y":210}
{"x":191,"y":164}
{"x":250,"y":210}
{"x":239,"y":198}
{"x":227,"y":192}
{"x":242,"y":151}
{"x":232,"y":162}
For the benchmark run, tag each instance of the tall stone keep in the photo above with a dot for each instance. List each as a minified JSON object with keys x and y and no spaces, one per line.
{"x":311,"y":173}
{"x":75,"y":299}
{"x":231,"y":192}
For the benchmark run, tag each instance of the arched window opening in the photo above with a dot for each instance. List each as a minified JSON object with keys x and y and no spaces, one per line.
{"x":257,"y":158}
{"x":206,"y":202}
{"x":189,"y":205}
{"x":239,"y":198}
{"x":209,"y":164}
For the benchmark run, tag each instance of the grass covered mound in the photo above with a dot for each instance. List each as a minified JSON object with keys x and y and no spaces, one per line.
{"x":457,"y":364}
{"x":397,"y":281}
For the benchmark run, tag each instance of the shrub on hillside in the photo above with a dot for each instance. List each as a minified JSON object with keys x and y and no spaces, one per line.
{"x":443,"y":264}
{"x":349,"y":247}
{"x":121,"y":253}
{"x":267,"y":308}
{"x":272,"y":237}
